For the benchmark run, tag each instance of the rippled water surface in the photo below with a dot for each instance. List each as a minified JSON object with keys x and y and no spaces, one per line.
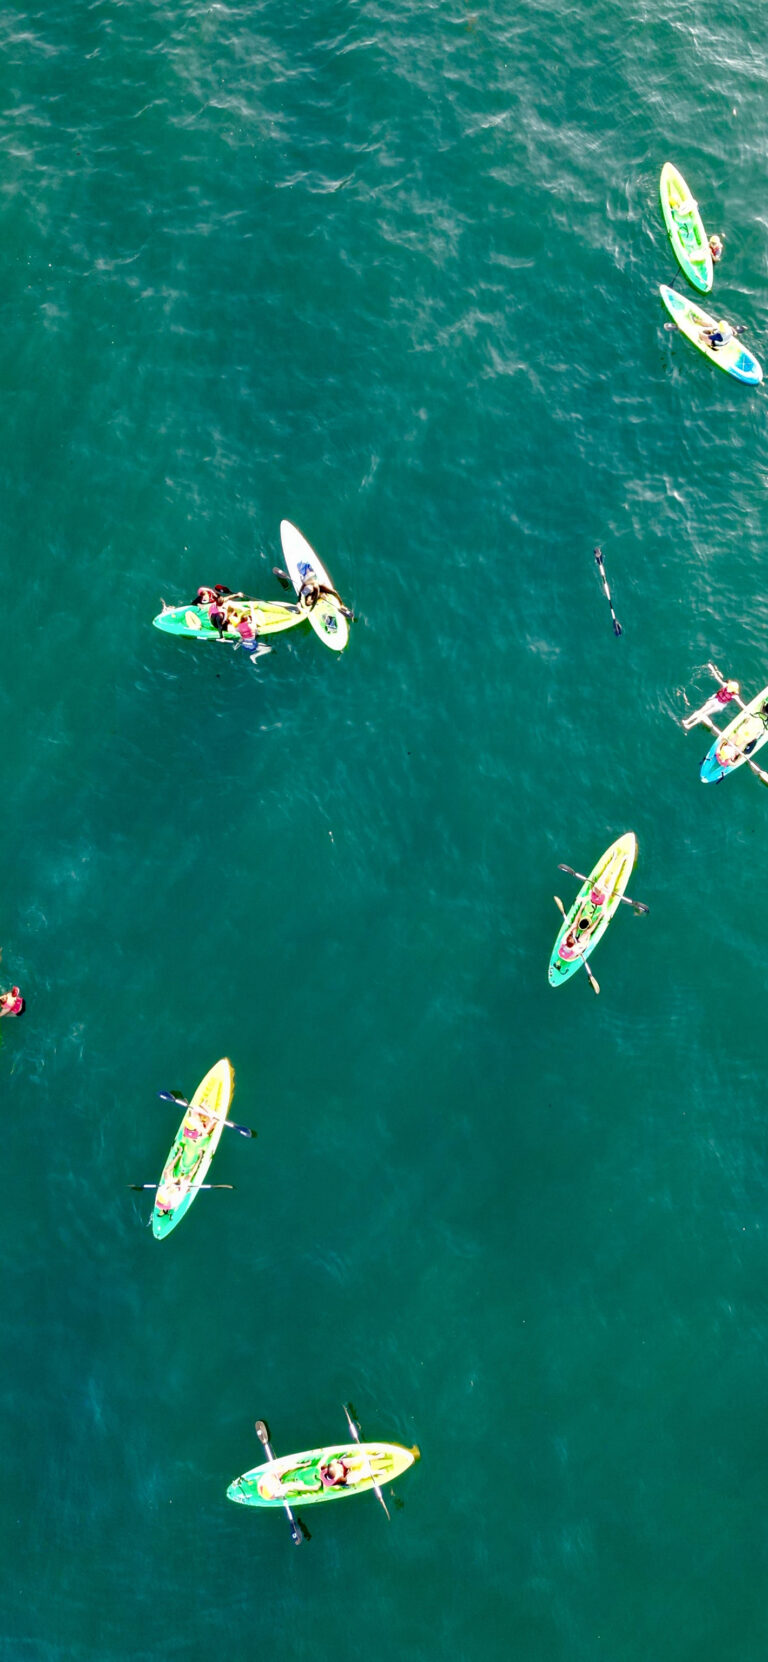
{"x":390,"y":271}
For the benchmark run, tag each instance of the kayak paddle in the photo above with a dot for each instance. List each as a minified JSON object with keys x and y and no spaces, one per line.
{"x":139,"y":1186}
{"x":590,"y":977}
{"x":637,"y":905}
{"x":606,"y":591}
{"x":355,"y":1430}
{"x":176,"y":1096}
{"x":297,"y":1529}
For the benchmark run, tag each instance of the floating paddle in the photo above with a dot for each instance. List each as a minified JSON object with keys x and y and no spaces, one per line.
{"x":637,"y":905}
{"x":748,"y":759}
{"x":139,"y":1186}
{"x":181,"y":1101}
{"x":263,"y":1435}
{"x":285,"y":583}
{"x":606,"y":591}
{"x":355,"y":1430}
{"x":590,"y":977}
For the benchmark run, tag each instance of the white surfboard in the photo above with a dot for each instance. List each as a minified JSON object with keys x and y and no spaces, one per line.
{"x":302,"y":563}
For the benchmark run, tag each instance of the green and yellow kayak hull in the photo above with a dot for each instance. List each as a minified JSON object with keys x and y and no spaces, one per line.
{"x":691,"y":318}
{"x":194,"y":1146}
{"x":267,"y":617}
{"x":296,"y":1478}
{"x":686,"y":231}
{"x":609,"y":877}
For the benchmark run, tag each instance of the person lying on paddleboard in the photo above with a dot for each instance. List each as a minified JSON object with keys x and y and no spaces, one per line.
{"x":723,"y":696}
{"x":311,"y":591}
{"x":12,"y":1003}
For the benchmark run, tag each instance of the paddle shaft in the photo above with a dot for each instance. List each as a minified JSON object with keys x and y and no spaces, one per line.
{"x":590,"y":977}
{"x":139,"y":1186}
{"x":263,"y":1436}
{"x":355,"y":1430}
{"x":606,"y":590}
{"x":637,"y":905}
{"x":181,"y":1102}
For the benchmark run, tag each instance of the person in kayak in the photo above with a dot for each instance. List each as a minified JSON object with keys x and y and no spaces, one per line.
{"x":725,"y":693}
{"x":334,"y":1474}
{"x":719,"y":335}
{"x":197,"y":1125}
{"x":168,"y":1195}
{"x":12,"y":1003}
{"x":208,"y":596}
{"x":716,"y":247}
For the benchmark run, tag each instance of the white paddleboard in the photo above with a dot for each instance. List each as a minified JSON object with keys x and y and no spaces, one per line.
{"x":302,"y":563}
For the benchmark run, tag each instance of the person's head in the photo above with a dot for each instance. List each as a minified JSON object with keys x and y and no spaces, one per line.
{"x":336,"y":1470}
{"x":732,"y":686}
{"x":726,"y":752}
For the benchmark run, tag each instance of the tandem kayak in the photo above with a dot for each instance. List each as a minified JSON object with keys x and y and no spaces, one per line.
{"x":734,"y":358}
{"x":738,"y":742}
{"x":686,"y":231}
{"x":304,"y":1478}
{"x":597,"y":900}
{"x":194,"y":1147}
{"x":303,"y":565}
{"x":267,"y":617}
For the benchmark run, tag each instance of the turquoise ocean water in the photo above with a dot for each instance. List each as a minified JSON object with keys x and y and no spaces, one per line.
{"x":389,"y":271}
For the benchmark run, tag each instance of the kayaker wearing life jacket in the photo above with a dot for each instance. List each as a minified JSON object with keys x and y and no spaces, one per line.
{"x":206,"y":596}
{"x":12,"y":1003}
{"x":334,"y":1474}
{"x":719,"y":335}
{"x":168,"y":1195}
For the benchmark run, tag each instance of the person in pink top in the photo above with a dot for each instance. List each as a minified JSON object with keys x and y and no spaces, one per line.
{"x":727,"y":691}
{"x":12,"y":1003}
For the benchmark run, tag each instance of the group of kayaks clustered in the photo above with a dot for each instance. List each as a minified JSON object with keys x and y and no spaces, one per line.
{"x":603,"y":890}
{"x":352,"y":1467}
{"x":218,"y":614}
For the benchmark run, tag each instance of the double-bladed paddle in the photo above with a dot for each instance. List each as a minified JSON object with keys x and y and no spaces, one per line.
{"x":297,"y":1529}
{"x":637,"y":905}
{"x":590,"y":977}
{"x":606,"y":590}
{"x":140,"y":1186}
{"x":181,"y":1101}
{"x":355,"y":1430}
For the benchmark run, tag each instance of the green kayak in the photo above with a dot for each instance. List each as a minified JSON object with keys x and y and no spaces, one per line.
{"x":194,"y":1146}
{"x":685,"y":228}
{"x":596,"y":903}
{"x":267,"y":617}
{"x":322,"y":1474}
